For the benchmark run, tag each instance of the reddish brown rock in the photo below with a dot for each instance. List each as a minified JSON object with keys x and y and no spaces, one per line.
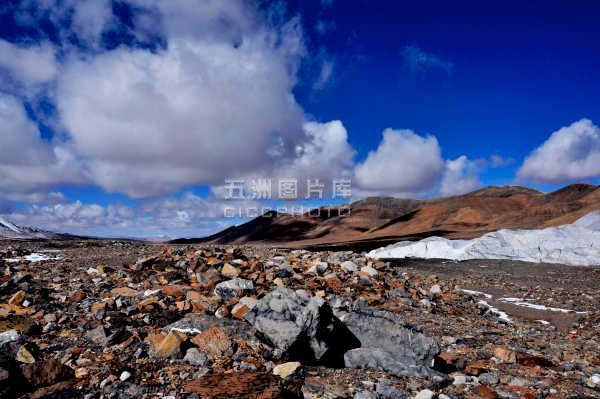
{"x":214,"y":342}
{"x":485,"y":392}
{"x":247,"y":385}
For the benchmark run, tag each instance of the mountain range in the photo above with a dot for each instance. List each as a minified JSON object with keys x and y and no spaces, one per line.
{"x":11,"y":231}
{"x":377,"y":221}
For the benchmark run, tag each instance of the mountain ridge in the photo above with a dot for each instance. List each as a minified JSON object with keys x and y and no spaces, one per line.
{"x":376,"y":221}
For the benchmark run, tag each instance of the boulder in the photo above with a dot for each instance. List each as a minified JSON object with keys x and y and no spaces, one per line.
{"x":300,"y":326}
{"x":398,"y":365}
{"x":386,"y":331}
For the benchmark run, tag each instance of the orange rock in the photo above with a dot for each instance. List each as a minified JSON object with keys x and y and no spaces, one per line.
{"x":240,"y":311}
{"x":214,"y":342}
{"x":98,"y":307}
{"x":335,"y":284}
{"x":172,"y":290}
{"x":483,"y":391}
{"x":477,"y":367}
{"x":168,"y":345}
{"x":505,"y":354}
{"x":17,"y":298}
{"x":124,"y":291}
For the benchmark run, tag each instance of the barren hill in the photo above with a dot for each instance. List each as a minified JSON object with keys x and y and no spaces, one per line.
{"x":376,"y":221}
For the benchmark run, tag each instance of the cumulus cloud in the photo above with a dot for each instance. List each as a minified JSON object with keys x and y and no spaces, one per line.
{"x":29,"y":164}
{"x":570,"y":153}
{"x":203,"y":109}
{"x":460,"y":176}
{"x":403,"y":162}
{"x":26,"y":64}
{"x":419,"y":62}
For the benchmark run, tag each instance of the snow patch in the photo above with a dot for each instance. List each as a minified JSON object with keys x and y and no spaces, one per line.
{"x":477,"y":293}
{"x":33,"y":257}
{"x":524,"y":303}
{"x":576,"y":244}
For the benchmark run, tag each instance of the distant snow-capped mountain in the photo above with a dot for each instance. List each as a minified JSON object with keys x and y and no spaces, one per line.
{"x":9,"y":230}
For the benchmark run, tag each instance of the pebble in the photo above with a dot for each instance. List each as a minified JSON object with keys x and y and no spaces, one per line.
{"x":425,"y":394}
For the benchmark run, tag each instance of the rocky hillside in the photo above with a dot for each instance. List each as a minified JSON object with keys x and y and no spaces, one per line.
{"x":376,"y":221}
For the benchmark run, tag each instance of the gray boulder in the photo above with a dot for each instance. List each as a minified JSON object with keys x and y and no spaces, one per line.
{"x":399,"y":365}
{"x":384,"y":330}
{"x":301,"y":326}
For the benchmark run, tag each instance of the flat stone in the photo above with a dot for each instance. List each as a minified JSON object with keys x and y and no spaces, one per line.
{"x":284,"y":370}
{"x":230,"y":271}
{"x":214,"y":342}
{"x":24,"y":356}
{"x":166,"y":345}
{"x":195,"y":357}
{"x":124,"y":292}
{"x":97,"y":335}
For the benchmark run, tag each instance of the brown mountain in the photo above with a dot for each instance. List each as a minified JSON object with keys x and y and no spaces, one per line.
{"x":378,"y":221}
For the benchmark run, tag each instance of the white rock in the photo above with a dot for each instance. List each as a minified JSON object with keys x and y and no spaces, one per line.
{"x":349,"y":266}
{"x":435,"y":290}
{"x":594,"y":381}
{"x":125,"y":376}
{"x":286,"y":369}
{"x":9,"y":336}
{"x":369,"y":270}
{"x":425,"y":394}
{"x":459,"y":379}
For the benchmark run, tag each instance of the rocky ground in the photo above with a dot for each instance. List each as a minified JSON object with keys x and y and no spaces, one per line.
{"x":132,"y":320}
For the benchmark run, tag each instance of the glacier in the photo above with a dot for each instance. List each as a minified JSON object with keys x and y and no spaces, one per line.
{"x":576,"y":244}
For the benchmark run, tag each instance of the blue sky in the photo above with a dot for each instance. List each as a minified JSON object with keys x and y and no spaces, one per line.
{"x":126,"y":118}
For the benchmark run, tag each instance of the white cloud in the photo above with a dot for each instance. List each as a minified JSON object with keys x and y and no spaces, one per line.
{"x":570,"y":153}
{"x":33,"y":64}
{"x":29,"y":164}
{"x":461,"y":175}
{"x":186,"y":216}
{"x":403,"y":162}
{"x":200,"y":111}
{"x":324,"y":153}
{"x":83,"y":20}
